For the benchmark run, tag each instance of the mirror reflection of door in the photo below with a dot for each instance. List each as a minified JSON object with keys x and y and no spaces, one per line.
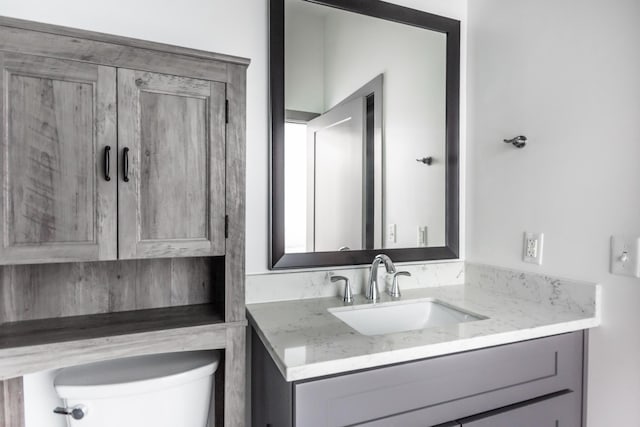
{"x":333,"y":175}
{"x":336,"y":151}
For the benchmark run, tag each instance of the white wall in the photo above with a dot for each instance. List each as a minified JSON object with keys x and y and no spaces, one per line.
{"x":304,"y":41}
{"x":566,"y":75}
{"x":456,"y":9}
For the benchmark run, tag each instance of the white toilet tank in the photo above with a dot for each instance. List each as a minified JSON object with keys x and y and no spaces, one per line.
{"x":161,"y":390}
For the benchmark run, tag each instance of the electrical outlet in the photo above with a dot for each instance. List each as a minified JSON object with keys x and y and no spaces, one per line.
{"x":422,"y":236}
{"x":391,"y":233}
{"x":625,"y":256}
{"x":532,"y":250}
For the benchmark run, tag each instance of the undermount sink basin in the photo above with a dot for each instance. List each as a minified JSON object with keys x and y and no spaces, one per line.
{"x":400,"y":316}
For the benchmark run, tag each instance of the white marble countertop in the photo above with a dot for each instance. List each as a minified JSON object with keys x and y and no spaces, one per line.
{"x":307,"y":341}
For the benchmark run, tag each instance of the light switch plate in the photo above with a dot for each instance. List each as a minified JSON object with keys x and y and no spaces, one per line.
{"x":532,"y":248}
{"x":625,"y":256}
{"x":422,"y":236}
{"x":391,"y":233}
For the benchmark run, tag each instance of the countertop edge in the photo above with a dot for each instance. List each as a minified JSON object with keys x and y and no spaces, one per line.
{"x":369,"y":361}
{"x":254,"y":325}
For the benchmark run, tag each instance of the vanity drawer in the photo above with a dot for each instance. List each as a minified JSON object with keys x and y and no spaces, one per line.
{"x":440,"y":389}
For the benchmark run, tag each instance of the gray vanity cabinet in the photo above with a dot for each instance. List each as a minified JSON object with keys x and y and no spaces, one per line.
{"x":433,"y":391}
{"x":552,"y":411}
{"x":58,"y":127}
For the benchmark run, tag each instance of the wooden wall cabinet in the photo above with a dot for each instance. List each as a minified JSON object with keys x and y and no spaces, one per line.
{"x":119,"y":149}
{"x":87,"y":178}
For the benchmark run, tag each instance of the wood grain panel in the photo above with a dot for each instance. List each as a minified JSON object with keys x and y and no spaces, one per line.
{"x":50,"y":161}
{"x":48,"y":331}
{"x":128,"y":341}
{"x":58,"y":116}
{"x":192,"y":281}
{"x":43,"y":291}
{"x":106,"y":127}
{"x":236,"y":182}
{"x":118,"y":40}
{"x":11,"y":403}
{"x":217,"y":168}
{"x":153,"y":284}
{"x":171,"y":206}
{"x":235,"y":380}
{"x":173,"y":164}
{"x":97,"y":52}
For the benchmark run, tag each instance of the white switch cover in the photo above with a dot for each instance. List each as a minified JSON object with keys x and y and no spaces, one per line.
{"x":532,"y":250}
{"x":422,"y":236}
{"x":625,"y":257}
{"x":391,"y":233}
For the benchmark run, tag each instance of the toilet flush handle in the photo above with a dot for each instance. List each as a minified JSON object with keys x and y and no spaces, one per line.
{"x":77,"y":412}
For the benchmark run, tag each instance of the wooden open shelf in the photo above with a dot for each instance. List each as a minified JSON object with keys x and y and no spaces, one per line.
{"x":73,"y":328}
{"x":34,"y":345}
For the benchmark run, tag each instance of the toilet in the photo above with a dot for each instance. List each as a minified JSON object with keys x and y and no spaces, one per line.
{"x":160,"y":390}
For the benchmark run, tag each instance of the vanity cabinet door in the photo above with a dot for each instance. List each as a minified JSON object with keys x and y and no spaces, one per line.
{"x":557,"y":411}
{"x":171,"y":135}
{"x":431,"y":391}
{"x":58,"y":123}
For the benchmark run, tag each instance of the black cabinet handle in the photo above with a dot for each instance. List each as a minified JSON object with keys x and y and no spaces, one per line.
{"x":107,"y":163}
{"x":125,"y":155}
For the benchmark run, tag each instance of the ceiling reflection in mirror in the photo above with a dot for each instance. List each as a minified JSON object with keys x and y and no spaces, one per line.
{"x":365,"y":129}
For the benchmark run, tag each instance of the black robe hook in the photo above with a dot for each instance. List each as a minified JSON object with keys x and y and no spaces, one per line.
{"x":518,"y":141}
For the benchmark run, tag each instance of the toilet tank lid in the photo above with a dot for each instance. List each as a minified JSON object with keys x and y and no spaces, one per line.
{"x":135,"y":375}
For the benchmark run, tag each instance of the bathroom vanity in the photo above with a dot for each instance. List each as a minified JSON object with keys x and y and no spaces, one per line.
{"x":520,"y":359}
{"x":123,"y":176}
{"x":493,"y":387}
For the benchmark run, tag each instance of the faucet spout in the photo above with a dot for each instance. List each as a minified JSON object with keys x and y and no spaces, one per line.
{"x":372,"y":292}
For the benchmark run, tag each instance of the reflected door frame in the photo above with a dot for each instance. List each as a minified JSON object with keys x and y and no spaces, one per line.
{"x":370,"y":94}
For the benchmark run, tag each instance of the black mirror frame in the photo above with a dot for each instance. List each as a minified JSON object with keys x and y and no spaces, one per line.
{"x":379,"y":9}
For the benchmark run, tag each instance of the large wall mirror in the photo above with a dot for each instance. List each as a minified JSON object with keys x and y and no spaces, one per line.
{"x":364,"y":133}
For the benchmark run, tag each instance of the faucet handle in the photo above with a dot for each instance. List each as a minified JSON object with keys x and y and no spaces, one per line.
{"x":348,"y":294}
{"x":395,"y":288}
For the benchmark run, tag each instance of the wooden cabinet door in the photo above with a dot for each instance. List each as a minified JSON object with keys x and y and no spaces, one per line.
{"x":58,"y":118}
{"x":171,"y":132}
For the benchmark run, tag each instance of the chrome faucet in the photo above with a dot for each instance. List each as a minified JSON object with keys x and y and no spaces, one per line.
{"x":372,"y":293}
